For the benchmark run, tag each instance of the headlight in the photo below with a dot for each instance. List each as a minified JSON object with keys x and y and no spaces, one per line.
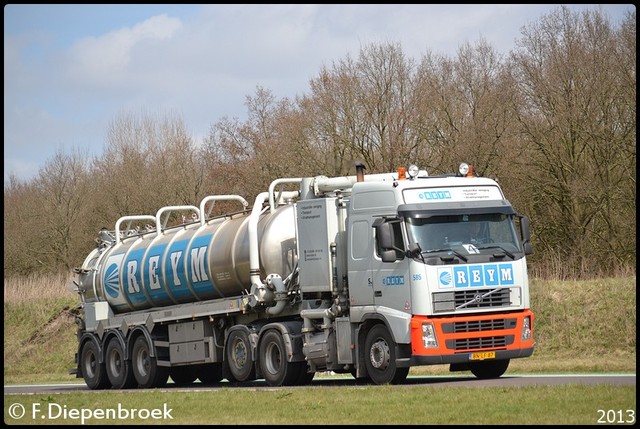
{"x":413,"y":171}
{"x":429,"y":339}
{"x":526,"y":329}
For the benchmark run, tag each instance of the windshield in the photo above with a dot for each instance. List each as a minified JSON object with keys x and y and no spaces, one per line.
{"x":481,"y":231}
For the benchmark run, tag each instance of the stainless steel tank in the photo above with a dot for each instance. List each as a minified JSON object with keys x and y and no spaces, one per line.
{"x":188,"y":263}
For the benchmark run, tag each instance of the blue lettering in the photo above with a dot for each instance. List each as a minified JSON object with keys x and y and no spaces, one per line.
{"x":477,"y":276}
{"x":435,"y":195}
{"x":393,"y":281}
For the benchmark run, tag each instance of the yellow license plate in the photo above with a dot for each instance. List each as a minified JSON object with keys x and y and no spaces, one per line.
{"x":483,"y":355}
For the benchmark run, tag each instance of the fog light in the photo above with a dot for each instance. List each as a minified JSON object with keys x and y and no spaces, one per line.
{"x":429,"y":336}
{"x":526,"y":329}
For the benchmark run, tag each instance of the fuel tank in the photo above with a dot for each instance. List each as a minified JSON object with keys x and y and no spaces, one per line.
{"x":188,"y":263}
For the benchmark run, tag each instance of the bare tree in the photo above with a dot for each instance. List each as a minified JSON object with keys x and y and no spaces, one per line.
{"x":149,"y":162}
{"x":64,"y":192}
{"x":465,"y":108}
{"x":575,"y":116}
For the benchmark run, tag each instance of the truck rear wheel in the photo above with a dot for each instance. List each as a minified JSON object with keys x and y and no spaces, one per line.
{"x":273,"y":361}
{"x":93,"y":372}
{"x":118,"y":368}
{"x":238,"y":351}
{"x":489,"y":369}
{"x":145,"y":367}
{"x":380,"y":358}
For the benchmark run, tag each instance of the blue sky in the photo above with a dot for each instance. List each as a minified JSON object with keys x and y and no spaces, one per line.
{"x":69,"y":70}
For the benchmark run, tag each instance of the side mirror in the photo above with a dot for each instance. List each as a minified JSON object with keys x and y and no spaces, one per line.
{"x":384,"y":233}
{"x":388,"y":256}
{"x":525,"y":232}
{"x":385,"y":236}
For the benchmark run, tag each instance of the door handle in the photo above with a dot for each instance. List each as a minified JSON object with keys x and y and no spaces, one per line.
{"x":377,"y":293}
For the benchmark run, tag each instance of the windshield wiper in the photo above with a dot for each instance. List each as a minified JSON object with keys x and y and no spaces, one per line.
{"x":506,"y":252}
{"x":450,"y":252}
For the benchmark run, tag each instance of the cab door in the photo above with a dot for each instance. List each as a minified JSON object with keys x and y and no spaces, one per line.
{"x":390,"y":266}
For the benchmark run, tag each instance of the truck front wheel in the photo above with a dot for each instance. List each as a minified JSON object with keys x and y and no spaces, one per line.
{"x":380,"y":358}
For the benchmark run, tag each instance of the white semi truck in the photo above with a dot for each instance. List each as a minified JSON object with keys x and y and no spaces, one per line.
{"x":367,"y":275}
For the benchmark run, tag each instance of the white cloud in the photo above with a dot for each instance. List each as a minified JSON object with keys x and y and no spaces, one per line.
{"x":105,"y":58}
{"x":206,"y":64}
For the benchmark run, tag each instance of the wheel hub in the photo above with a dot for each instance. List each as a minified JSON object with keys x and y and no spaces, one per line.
{"x":380,"y":355}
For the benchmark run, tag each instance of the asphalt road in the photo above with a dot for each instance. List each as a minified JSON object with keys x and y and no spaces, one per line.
{"x":448,"y":381}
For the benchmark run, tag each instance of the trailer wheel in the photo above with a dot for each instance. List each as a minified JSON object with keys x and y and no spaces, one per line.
{"x":210,"y":373}
{"x":489,"y":369}
{"x":118,"y":368}
{"x":145,"y":368}
{"x":93,"y":372}
{"x":238,"y":353}
{"x":273,"y":361}
{"x":381,"y":357}
{"x":183,"y":375}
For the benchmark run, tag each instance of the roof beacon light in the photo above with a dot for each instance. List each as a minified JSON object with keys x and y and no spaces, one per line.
{"x":413,"y":171}
{"x":402,"y":173}
{"x":463,"y":169}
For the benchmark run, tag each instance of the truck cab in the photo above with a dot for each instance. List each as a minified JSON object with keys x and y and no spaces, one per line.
{"x":440,"y":262}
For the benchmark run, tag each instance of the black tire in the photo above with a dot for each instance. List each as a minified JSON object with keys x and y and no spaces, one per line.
{"x":273,"y":361}
{"x":145,"y":368}
{"x":210,"y":373}
{"x":183,"y":375}
{"x":118,"y":369}
{"x":93,"y":372}
{"x":489,"y":369}
{"x":380,"y":358}
{"x":238,"y":355}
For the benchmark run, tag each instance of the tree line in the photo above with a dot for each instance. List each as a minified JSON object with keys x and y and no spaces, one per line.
{"x":554,"y":121}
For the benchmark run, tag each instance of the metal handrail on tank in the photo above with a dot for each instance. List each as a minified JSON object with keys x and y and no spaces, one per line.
{"x":169,"y":209}
{"x":282,"y":194}
{"x":203,"y":219}
{"x":130,"y":219}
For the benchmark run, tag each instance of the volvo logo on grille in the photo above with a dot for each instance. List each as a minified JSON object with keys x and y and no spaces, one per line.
{"x":477,"y":297}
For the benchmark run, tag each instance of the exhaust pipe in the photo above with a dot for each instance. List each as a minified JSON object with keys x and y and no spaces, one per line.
{"x":360,"y":171}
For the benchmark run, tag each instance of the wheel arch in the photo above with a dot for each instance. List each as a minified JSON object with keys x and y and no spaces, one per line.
{"x":86,"y":337}
{"x":133,"y":336}
{"x":121,"y":338}
{"x":291,"y":332}
{"x":398,"y":326}
{"x":253,"y":338}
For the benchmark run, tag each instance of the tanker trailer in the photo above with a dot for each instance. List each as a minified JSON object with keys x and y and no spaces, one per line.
{"x":194,"y":271}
